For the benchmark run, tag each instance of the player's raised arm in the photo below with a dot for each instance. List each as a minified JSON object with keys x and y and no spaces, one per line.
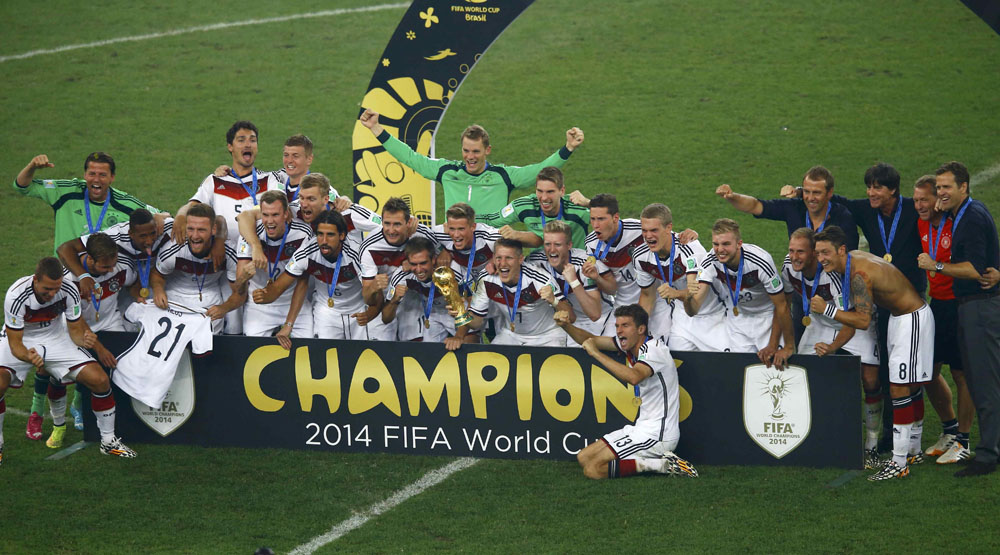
{"x":28,"y":173}
{"x":743,"y":203}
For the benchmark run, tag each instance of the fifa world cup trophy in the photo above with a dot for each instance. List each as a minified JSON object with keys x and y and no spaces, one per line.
{"x":445,"y":281}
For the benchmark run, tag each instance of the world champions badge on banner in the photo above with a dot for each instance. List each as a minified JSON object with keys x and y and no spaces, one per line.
{"x":777,"y":413}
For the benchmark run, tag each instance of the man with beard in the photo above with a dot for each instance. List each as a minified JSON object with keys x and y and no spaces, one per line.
{"x":412,"y":299}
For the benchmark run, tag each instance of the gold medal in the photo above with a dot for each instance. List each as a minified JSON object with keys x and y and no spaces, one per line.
{"x":512,"y":326}
{"x":806,"y":320}
{"x":736,"y":311}
{"x":199,"y":296}
{"x":427,"y":323}
{"x":591,"y":259}
{"x":97,"y":317}
{"x":329,"y":302}
{"x":144,"y":293}
{"x":636,"y":401}
{"x":887,"y":257}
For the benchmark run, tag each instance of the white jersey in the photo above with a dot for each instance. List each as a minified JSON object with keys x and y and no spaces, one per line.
{"x":760,"y":279}
{"x":41,"y":321}
{"x":308,"y":260}
{"x":230,"y":196}
{"x":292,"y":191}
{"x":190,"y":277}
{"x":412,"y":311}
{"x":146,"y":369}
{"x":659,"y":413}
{"x":577,"y":257}
{"x":379,"y":256}
{"x":829,"y":288}
{"x":617,"y":258}
{"x":278,"y":252}
{"x":119,"y":234}
{"x":533,"y":314}
{"x":105,"y":304}
{"x":485,"y":237}
{"x":648,"y":274}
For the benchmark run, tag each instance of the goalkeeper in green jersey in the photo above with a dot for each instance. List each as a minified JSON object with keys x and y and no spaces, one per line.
{"x":473,"y":180}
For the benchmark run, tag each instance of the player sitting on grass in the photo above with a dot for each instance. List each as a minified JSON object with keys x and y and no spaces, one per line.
{"x":646,"y":446}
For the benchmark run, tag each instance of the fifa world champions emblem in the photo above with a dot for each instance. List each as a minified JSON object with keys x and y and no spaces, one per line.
{"x":777,"y":411}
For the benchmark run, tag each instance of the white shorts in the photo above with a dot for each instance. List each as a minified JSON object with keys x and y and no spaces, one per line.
{"x":109,"y":322}
{"x":661,"y":320}
{"x":911,"y":347}
{"x":629,"y":443}
{"x":328,"y":324}
{"x":863,"y":344}
{"x":380,"y":331}
{"x":263,"y":321}
{"x":553,"y":338}
{"x":749,"y":333}
{"x":706,"y":333}
{"x":63,"y":359}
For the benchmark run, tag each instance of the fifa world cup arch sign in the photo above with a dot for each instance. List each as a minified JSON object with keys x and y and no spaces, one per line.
{"x":433,"y":49}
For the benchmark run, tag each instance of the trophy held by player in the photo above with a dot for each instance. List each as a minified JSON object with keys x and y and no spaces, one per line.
{"x":445,"y":281}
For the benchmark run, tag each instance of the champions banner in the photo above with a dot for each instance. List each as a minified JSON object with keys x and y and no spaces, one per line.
{"x":436,"y":44}
{"x":489,"y":401}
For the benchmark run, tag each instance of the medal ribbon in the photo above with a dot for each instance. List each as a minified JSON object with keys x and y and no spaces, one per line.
{"x":735,"y":295}
{"x":602,"y":253}
{"x":465,"y":287}
{"x":273,"y":270}
{"x":557,"y":279}
{"x":958,"y":217}
{"x":559,"y":217}
{"x":97,"y":286}
{"x":670,"y":264}
{"x":104,"y":210}
{"x":631,"y":363}
{"x":430,"y":302}
{"x":934,"y":242}
{"x":812,"y":293}
{"x":336,"y":274}
{"x":809,"y":222}
{"x":845,"y":284}
{"x":895,"y":222}
{"x":144,"y":272}
{"x":512,"y":310}
{"x":250,"y":191}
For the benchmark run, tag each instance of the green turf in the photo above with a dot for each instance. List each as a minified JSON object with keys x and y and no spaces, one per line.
{"x":674,"y":97}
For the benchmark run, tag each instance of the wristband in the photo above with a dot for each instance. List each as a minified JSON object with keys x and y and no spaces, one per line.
{"x":86,"y":275}
{"x":830,"y":311}
{"x":574,"y":284}
{"x":287,"y":325}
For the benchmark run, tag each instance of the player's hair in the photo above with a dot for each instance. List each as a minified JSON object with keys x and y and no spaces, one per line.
{"x":100,"y":246}
{"x":300,"y":140}
{"x":417,"y":244}
{"x":461,"y":211}
{"x":658,"y":211}
{"x":805,"y":233}
{"x":834,"y":235}
{"x":316,"y":180}
{"x":202,"y":210}
{"x":475,"y":132}
{"x":333,"y":218}
{"x":396,"y":205}
{"x":551,"y":173}
{"x":242,"y":124}
{"x":885,"y":175}
{"x":139,"y":217}
{"x":926,"y":182}
{"x":727,"y":225}
{"x":100,"y":158}
{"x":273,"y":196}
{"x":636,"y":313}
{"x":817,"y":173}
{"x":605,"y":200}
{"x":510,"y":244}
{"x":957,"y":169}
{"x":49,"y":267}
{"x":559,"y":226}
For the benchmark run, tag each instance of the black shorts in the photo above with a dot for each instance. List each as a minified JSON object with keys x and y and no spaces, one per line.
{"x":946,"y":332}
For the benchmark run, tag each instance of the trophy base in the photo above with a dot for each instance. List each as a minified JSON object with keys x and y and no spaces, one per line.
{"x":462,"y":319}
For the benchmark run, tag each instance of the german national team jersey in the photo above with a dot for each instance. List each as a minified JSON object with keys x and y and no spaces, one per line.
{"x":106,"y":302}
{"x":292,"y":191}
{"x":119,"y":234}
{"x":192,"y":277}
{"x":685,"y":262}
{"x":659,"y":412}
{"x":379,"y":256}
{"x":577,"y":257}
{"x":146,"y":369}
{"x":618,"y":258}
{"x":278,"y":252}
{"x":529,"y":211}
{"x":23,"y":311}
{"x":940,"y":283}
{"x":230,"y":196}
{"x":66,"y":197}
{"x":829,"y":288}
{"x":485,"y":236}
{"x":534,"y":314}
{"x":760,"y":279}
{"x":412,"y":310}
{"x":308,"y":260}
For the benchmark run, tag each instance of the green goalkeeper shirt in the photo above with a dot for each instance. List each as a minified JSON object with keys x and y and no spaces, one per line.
{"x":65,"y":196}
{"x":486,"y":192}
{"x":529,"y":211}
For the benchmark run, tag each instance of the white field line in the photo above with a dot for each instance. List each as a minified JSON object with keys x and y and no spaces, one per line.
{"x":430,"y":479}
{"x":201,"y":28}
{"x":985,"y":175}
{"x":18,"y":412}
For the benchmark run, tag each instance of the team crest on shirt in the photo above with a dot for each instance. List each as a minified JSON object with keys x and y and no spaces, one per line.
{"x":176,"y":408}
{"x":946,"y":242}
{"x":289,"y":251}
{"x":114,"y":285}
{"x":777,"y":413}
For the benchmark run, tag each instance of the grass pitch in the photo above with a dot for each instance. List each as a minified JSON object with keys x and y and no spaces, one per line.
{"x":675,"y":98}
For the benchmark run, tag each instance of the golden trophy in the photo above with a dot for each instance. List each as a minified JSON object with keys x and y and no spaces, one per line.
{"x":445,"y":281}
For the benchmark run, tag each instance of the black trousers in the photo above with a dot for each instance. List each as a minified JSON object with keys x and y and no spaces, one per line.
{"x":979,"y":341}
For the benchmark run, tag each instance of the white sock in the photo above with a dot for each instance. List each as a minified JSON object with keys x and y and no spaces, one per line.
{"x":916,"y":435}
{"x":900,"y":443}
{"x":106,"y":423}
{"x":57,"y":408}
{"x":648,"y":465}
{"x":2,"y":414}
{"x":873,"y":424}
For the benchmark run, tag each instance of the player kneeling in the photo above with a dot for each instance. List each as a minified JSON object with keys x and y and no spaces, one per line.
{"x":647,"y":445}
